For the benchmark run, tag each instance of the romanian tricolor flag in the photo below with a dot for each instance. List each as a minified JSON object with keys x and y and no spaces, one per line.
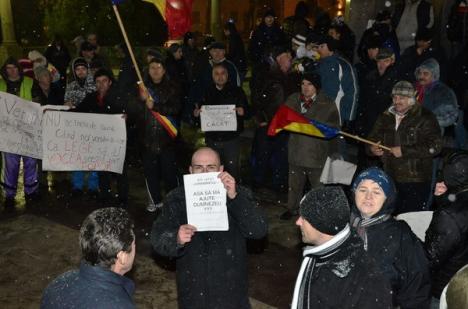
{"x":290,"y":120}
{"x":177,"y":14}
{"x":167,"y":123}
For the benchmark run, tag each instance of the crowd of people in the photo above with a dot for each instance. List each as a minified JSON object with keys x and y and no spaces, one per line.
{"x":403,"y":93}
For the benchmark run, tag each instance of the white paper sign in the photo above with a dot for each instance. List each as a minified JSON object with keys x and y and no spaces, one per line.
{"x":20,"y":126}
{"x":337,"y":171}
{"x":205,"y":198}
{"x":83,"y":142}
{"x":218,"y":118}
{"x":418,"y":221}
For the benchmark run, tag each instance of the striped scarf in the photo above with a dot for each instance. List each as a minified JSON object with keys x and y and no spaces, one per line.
{"x":361,"y":224}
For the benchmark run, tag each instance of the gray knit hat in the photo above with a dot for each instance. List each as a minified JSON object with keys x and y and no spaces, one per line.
{"x":326,"y":209}
{"x":404,"y":88}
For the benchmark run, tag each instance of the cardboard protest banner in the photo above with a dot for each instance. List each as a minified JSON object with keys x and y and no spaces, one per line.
{"x":218,"y":118}
{"x":205,"y":198}
{"x":20,"y":126}
{"x":83,"y":142}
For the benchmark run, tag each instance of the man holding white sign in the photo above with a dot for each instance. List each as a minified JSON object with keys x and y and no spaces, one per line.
{"x":211,"y":265}
{"x":222,"y":112}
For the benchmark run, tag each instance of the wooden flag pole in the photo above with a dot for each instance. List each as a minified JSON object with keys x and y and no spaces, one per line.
{"x":129,"y":47}
{"x":364,"y":140}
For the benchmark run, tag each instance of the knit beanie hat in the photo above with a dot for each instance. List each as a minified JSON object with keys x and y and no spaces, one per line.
{"x":299,"y":40}
{"x":269,"y":12}
{"x":313,"y":78}
{"x":326,"y":209}
{"x":455,"y":171}
{"x":79,"y":62}
{"x":404,"y":88}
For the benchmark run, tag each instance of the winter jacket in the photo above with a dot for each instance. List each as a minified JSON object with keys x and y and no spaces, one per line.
{"x":270,"y":90}
{"x":438,"y":98}
{"x":212,"y":267}
{"x":410,"y":60}
{"x":263,"y":39}
{"x":308,"y":151}
{"x":457,"y":26}
{"x":446,"y":240}
{"x":229,"y":95}
{"x":54,"y":96}
{"x":77,"y":90}
{"x":375,"y":97}
{"x":236,"y":52}
{"x":338,"y":74}
{"x":341,"y":276}
{"x":113,"y":103}
{"x":420,"y":140}
{"x":167,"y":102}
{"x":59,"y":57}
{"x":90,"y":287}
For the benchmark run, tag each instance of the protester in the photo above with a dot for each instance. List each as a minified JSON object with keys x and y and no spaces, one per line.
{"x":58,"y":55}
{"x":159,"y":157}
{"x":336,"y":272}
{"x":88,"y":52}
{"x":446,"y":239}
{"x":107,"y":243}
{"x":211,"y":266}
{"x":15,"y":83}
{"x":307,"y":154}
{"x":297,"y":23}
{"x":413,"y":134}
{"x":44,"y":91}
{"x":107,"y":100}
{"x":235,"y":49}
{"x":391,"y":243}
{"x":92,"y":39}
{"x":38,"y":59}
{"x":226,"y":143}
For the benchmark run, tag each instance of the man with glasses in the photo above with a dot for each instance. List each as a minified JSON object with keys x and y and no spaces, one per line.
{"x":211,"y":266}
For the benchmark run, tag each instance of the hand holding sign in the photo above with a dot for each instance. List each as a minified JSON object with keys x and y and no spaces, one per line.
{"x":185,"y":234}
{"x":229,"y":184}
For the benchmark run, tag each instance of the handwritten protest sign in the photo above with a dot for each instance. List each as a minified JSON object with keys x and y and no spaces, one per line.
{"x":205,"y":198}
{"x":20,"y":126}
{"x":218,"y":118}
{"x":81,"y":141}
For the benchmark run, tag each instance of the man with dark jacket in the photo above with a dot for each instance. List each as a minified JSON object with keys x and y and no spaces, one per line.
{"x":107,"y":100}
{"x":159,"y":159}
{"x":413,"y":134}
{"x":226,"y":143}
{"x":270,"y":89}
{"x":446,"y":239}
{"x":336,"y":272}
{"x":107,"y":245}
{"x":307,"y":154}
{"x":211,"y":266}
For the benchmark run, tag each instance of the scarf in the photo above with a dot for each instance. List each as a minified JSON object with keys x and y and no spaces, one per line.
{"x":306,"y":103}
{"x":312,"y":255}
{"x":361,"y":224}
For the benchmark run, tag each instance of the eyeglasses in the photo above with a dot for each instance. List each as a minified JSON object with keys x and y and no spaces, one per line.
{"x":205,"y":168}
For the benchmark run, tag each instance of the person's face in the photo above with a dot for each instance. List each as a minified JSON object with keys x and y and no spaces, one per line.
{"x":156,"y":71}
{"x":103,"y":84}
{"x":383,"y":64}
{"x":310,"y":235}
{"x":44,"y":79}
{"x":178,"y":54}
{"x":92,"y":38}
{"x":220,"y":76}
{"x":425,"y":77}
{"x":323,"y":50}
{"x":372,"y":53}
{"x":369,"y":198}
{"x":88,"y":54}
{"x":205,"y":161}
{"x":269,"y":20}
{"x":401,"y":103}
{"x":308,"y":89}
{"x":12,"y":72}
{"x":284,"y":61}
{"x":334,"y":34}
{"x":217,"y":54}
{"x":81,"y":72}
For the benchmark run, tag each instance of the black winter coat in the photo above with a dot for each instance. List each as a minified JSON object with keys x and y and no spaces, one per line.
{"x":113,"y":103}
{"x":229,"y":95}
{"x":401,"y":258}
{"x":167,"y":102}
{"x":263,"y":39}
{"x":410,"y":60}
{"x":348,"y":278}
{"x":446,"y":240}
{"x":212,"y":268}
